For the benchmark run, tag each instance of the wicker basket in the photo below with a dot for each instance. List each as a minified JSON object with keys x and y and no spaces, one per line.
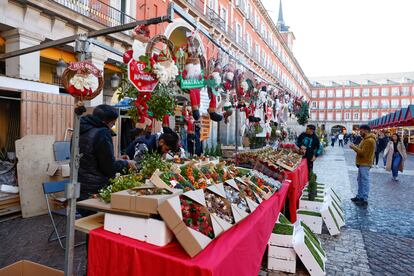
{"x":159,"y":38}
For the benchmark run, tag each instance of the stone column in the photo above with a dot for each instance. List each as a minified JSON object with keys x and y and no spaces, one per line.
{"x":24,"y":66}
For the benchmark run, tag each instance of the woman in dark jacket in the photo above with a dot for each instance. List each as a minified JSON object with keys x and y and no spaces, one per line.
{"x":98,"y":164}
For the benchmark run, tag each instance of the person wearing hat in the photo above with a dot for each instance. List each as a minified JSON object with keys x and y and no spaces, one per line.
{"x":365,"y":153}
{"x":309,"y":143}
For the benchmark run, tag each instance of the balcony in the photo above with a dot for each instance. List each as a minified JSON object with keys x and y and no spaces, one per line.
{"x":98,"y":11}
{"x":241,"y":5}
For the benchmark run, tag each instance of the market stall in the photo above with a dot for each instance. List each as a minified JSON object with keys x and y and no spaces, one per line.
{"x":238,"y":251}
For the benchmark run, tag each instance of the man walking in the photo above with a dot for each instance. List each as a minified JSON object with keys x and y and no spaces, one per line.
{"x":309,"y":143}
{"x":382,"y":143}
{"x":364,"y":159}
{"x":341,"y":139}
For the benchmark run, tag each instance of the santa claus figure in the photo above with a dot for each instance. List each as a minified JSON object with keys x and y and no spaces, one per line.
{"x":192,"y":71}
{"x":141,"y":35}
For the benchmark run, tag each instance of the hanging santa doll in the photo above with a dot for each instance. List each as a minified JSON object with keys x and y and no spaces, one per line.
{"x":141,"y":35}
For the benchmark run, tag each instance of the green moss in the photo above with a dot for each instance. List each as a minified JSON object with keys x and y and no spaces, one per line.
{"x":336,"y":223}
{"x":313,"y":238}
{"x":283,"y":229}
{"x":337,"y":210}
{"x":283,"y":219}
{"x":314,"y":253}
{"x":309,"y":213}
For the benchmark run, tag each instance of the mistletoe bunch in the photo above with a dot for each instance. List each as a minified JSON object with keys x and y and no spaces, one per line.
{"x":302,"y":113}
{"x":151,"y":162}
{"x":161,"y":102}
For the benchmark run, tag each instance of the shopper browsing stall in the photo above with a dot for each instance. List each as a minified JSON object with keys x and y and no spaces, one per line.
{"x":395,"y":154}
{"x":309,"y":142}
{"x":98,"y":164}
{"x":160,"y":143}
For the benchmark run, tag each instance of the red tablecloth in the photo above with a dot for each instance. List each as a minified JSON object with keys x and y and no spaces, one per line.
{"x":299,"y":178}
{"x":238,"y":251}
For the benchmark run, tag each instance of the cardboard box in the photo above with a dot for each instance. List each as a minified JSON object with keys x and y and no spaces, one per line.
{"x":283,"y":253}
{"x":281,"y":265}
{"x":218,"y":190}
{"x":58,"y":171}
{"x":242,"y":212}
{"x":147,"y":204}
{"x":191,"y":240}
{"x":28,"y":268}
{"x":148,"y":230}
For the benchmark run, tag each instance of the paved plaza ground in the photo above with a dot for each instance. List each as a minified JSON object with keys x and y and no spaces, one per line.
{"x":377,"y":239}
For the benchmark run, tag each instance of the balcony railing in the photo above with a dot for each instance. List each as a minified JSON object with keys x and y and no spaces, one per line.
{"x":98,"y":11}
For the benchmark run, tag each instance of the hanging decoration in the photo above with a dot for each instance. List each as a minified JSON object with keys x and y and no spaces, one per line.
{"x":161,"y":103}
{"x":83,"y":80}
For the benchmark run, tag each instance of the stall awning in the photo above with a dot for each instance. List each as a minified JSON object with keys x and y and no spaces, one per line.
{"x":409,"y":117}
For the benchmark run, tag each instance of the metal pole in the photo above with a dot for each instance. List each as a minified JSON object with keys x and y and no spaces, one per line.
{"x":73,"y":188}
{"x":236,"y":132}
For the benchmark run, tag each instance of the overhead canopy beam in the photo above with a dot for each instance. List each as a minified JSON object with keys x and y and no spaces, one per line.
{"x":91,"y":34}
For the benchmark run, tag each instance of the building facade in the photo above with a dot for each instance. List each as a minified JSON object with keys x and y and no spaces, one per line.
{"x":243,"y":26}
{"x":349,"y":101}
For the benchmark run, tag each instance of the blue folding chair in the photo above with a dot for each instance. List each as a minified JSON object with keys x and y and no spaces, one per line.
{"x":50,"y":188}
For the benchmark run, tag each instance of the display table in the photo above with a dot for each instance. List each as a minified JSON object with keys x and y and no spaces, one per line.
{"x":238,"y":251}
{"x":299,"y":179}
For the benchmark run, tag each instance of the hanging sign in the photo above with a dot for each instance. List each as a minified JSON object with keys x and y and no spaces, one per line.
{"x":144,"y":81}
{"x":205,"y":128}
{"x":83,"y":80}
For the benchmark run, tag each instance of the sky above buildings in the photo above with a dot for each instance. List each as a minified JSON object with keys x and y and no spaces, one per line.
{"x":338,"y":37}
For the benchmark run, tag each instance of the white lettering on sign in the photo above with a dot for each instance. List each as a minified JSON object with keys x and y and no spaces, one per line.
{"x":143,"y":77}
{"x":141,"y":66}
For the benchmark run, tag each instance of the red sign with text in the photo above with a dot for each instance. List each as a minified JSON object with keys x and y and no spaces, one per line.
{"x":143,"y":81}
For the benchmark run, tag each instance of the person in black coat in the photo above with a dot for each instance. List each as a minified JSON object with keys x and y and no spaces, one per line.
{"x":97,"y":162}
{"x":309,"y":142}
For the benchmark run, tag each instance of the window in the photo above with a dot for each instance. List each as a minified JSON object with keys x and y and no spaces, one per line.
{"x":338,"y":93}
{"x":223,"y":15}
{"x":375,"y":92}
{"x":314,"y":104}
{"x":395,"y":103}
{"x":338,"y":116}
{"x":330,"y":93}
{"x":374,"y":103}
{"x":405,"y":91}
{"x":356,"y":103}
{"x":385,"y":103}
{"x":357,"y":93}
{"x":384,"y":91}
{"x":356,"y":116}
{"x":365,"y":104}
{"x":395,"y":91}
{"x":322,"y":94}
{"x":365,"y":116}
{"x":239,"y":32}
{"x":405,"y":102}
{"x":347,"y":116}
{"x":348,"y":93}
{"x":348,"y":104}
{"x":314,"y":93}
{"x":330,"y":116}
{"x":365,"y":92}
{"x":249,"y":43}
{"x":321,"y":104}
{"x":338,"y":104}
{"x":384,"y":114}
{"x":330,"y":104}
{"x":322,"y":116}
{"x":374,"y":115}
{"x":313,"y":116}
